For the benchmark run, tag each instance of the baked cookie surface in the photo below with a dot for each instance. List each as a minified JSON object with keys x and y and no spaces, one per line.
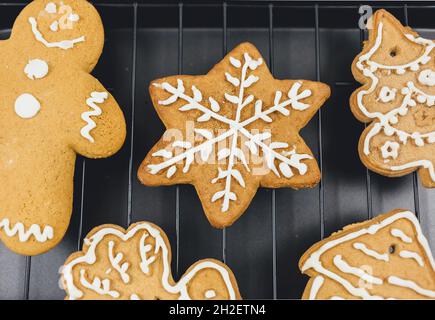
{"x":397,"y":70}
{"x":232,"y":131}
{"x":387,"y":257}
{"x":50,"y":109}
{"x":136,"y":264}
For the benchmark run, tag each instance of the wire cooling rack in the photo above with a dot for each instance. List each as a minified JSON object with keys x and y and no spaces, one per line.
{"x":299,"y":40}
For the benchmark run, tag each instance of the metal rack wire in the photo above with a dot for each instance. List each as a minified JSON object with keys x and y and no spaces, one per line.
{"x":271,"y":7}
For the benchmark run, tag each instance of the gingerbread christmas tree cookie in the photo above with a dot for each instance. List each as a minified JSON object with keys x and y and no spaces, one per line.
{"x":51,"y":108}
{"x":232,"y":131}
{"x":135,"y":264}
{"x":387,"y":257}
{"x":397,"y":70}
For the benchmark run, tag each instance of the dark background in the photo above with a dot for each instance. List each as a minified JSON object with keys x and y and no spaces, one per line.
{"x":148,"y":40}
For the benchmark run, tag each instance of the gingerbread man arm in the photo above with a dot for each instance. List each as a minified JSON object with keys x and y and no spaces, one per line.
{"x":97,"y":128}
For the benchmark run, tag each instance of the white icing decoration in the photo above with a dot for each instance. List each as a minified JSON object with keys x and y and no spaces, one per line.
{"x":115,"y":262}
{"x":412,"y":255}
{"x":401,"y":235}
{"x":180,"y":288}
{"x":100,"y":286}
{"x":315,"y":287}
{"x":385,"y":122}
{"x":73,"y":17}
{"x":64,"y":44}
{"x":390,"y":149}
{"x":134,"y":296}
{"x":27,"y":106}
{"x":372,"y":253}
{"x":386,"y":94}
{"x":23,"y":234}
{"x":54,"y":26}
{"x":411,"y":285}
{"x":96,"y":97}
{"x":36,"y":69}
{"x":51,"y":7}
{"x":427,"y":77}
{"x":313,"y":261}
{"x":210,"y":294}
{"x":343,"y":266}
{"x":237,"y":127}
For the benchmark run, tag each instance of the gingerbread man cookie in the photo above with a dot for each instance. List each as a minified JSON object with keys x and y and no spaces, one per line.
{"x":50,"y":109}
{"x":397,"y":69}
{"x":232,"y":131}
{"x":136,"y":264}
{"x":387,"y":257}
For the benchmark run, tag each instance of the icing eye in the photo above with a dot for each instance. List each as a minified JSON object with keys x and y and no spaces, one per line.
{"x":392,"y":249}
{"x":393,"y":52}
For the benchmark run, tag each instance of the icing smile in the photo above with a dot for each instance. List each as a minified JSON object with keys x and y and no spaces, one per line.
{"x":24,"y":234}
{"x":64,"y":44}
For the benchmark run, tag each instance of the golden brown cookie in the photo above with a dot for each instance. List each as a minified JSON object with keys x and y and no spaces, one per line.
{"x":397,"y":70}
{"x":136,"y":264}
{"x":50,"y":109}
{"x":387,"y":257}
{"x":232,"y":131}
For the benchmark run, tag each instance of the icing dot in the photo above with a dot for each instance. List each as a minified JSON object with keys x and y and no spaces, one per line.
{"x":209,"y":294}
{"x":51,"y":7}
{"x":27,"y":106}
{"x":36,"y":69}
{"x":54,"y":26}
{"x":73,"y":17}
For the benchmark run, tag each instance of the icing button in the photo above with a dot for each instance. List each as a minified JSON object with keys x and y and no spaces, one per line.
{"x":36,"y":69}
{"x":27,"y":106}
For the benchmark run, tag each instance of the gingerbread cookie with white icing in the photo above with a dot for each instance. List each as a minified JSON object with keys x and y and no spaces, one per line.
{"x":397,"y":70}
{"x":135,"y":264}
{"x":51,"y":108}
{"x":387,"y":257}
{"x":232,"y":131}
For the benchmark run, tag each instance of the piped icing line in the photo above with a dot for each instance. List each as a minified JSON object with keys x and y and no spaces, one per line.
{"x":343,"y":266}
{"x":385,"y":121}
{"x":411,"y":285}
{"x":64,"y":44}
{"x":100,"y":286}
{"x":179,"y":288}
{"x":412,"y":255}
{"x":401,"y":235}
{"x":96,"y":97}
{"x":115,"y":261}
{"x":24,"y":235}
{"x":315,"y":287}
{"x":313,"y":261}
{"x":372,"y":253}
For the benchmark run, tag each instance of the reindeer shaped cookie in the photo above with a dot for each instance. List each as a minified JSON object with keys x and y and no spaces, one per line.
{"x":397,"y":69}
{"x":136,"y":264}
{"x":50,"y":109}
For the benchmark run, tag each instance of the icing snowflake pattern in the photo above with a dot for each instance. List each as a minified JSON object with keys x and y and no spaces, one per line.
{"x":279,"y":157}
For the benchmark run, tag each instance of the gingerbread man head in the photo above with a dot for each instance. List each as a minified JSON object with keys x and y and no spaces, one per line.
{"x":51,"y":108}
{"x":397,"y":69}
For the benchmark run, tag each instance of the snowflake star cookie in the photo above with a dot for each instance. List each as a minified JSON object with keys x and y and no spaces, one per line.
{"x":387,"y":257}
{"x":232,"y":131}
{"x":136,"y":264}
{"x":397,"y":69}
{"x":51,"y":108}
